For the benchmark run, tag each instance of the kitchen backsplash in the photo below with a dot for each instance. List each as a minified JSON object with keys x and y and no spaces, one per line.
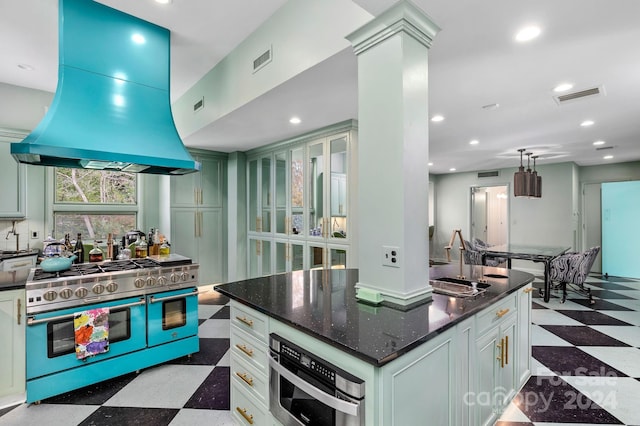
{"x":8,"y":238}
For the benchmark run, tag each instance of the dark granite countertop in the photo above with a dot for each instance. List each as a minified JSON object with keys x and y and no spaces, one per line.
{"x":12,"y":280}
{"x":322,"y":303}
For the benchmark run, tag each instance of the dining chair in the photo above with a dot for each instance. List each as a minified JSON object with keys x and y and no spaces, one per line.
{"x":573,"y":269}
{"x":488,"y":261}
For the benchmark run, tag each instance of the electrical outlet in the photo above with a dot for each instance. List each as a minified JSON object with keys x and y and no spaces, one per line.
{"x":391,"y":256}
{"x":34,"y":235}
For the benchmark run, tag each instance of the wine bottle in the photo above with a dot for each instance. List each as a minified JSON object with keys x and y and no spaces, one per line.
{"x":78,"y":250}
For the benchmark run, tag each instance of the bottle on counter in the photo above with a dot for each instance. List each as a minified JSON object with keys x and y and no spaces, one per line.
{"x":67,"y":243}
{"x":110,"y":246}
{"x":78,"y":250}
{"x":141,"y":248}
{"x":165,"y":249}
{"x":96,"y":254}
{"x":153,"y":242}
{"x":124,"y":252}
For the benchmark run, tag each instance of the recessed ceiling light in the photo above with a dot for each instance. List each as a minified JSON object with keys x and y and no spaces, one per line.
{"x":25,"y":67}
{"x":163,"y":1}
{"x":474,"y":142}
{"x":563,"y":87}
{"x":453,"y":169}
{"x":596,"y":143}
{"x":436,"y":118}
{"x":429,"y":164}
{"x":295,"y":120}
{"x":528,"y":33}
{"x":587,"y":123}
{"x":608,"y":157}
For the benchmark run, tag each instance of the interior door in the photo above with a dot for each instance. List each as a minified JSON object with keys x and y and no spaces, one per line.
{"x":478,"y":214}
{"x":490,"y":214}
{"x":592,"y":222}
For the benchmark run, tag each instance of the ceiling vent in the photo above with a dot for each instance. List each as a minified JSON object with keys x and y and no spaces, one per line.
{"x":586,"y":93}
{"x":491,"y":173}
{"x":262,"y":60}
{"x":603,"y":148}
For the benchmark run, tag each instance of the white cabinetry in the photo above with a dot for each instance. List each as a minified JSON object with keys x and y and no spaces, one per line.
{"x":12,"y":347}
{"x":298,"y":198}
{"x":524,"y":335}
{"x":249,"y":366}
{"x":197,"y":216}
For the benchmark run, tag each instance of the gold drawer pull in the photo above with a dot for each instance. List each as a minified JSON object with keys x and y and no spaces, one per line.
{"x":506,"y":349}
{"x":246,"y":321}
{"x":502,"y":313}
{"x":501,"y":357}
{"x":243,"y":413}
{"x":243,"y":376}
{"x":528,"y":290}
{"x":244,"y":349}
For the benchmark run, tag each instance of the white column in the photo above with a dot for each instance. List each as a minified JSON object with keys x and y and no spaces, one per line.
{"x":393,"y":175}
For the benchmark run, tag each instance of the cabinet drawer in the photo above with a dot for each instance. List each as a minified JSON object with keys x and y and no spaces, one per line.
{"x":250,"y":321}
{"x":497,"y":312}
{"x":244,"y":410}
{"x":250,"y":379}
{"x":249,"y":349}
{"x":18,"y":263}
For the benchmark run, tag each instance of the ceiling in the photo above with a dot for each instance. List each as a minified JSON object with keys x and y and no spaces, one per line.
{"x":474,"y":62}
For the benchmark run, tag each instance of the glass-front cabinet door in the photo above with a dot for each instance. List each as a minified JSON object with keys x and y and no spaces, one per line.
{"x":338,"y":187}
{"x":296,"y":176}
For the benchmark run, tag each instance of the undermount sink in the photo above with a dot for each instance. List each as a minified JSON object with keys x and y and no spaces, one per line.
{"x":457,"y":287}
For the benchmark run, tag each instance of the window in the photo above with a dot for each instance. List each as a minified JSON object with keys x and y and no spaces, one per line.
{"x":94,"y":202}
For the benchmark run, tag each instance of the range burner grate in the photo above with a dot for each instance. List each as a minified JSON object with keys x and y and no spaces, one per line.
{"x":95,"y":268}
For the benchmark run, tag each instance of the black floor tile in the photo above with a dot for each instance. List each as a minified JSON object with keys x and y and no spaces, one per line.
{"x":96,"y":394}
{"x":200,"y":321}
{"x":582,"y":335}
{"x":211,"y":351}
{"x":606,"y":285}
{"x":592,"y":317}
{"x":571,"y":361}
{"x":614,"y":279}
{"x":551,"y":399}
{"x":5,"y":410}
{"x":223,"y":313}
{"x":600,"y":305}
{"x":608,"y":294}
{"x":212,"y":298}
{"x":535,"y":305}
{"x":109,"y":416}
{"x":214,"y":392}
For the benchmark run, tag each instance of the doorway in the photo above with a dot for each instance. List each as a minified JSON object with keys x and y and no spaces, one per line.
{"x":490,"y":214}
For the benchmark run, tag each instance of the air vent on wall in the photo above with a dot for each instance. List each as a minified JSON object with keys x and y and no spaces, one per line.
{"x":570,"y":97}
{"x":198,"y":105}
{"x":604,"y":148}
{"x":262,"y":60}
{"x":492,"y":173}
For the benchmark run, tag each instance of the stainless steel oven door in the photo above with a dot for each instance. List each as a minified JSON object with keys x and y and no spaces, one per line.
{"x":298,"y":400}
{"x":50,"y":338}
{"x":172,"y":315}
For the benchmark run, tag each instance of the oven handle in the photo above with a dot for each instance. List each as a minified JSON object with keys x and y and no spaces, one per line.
{"x":33,"y":321}
{"x":152,"y":299}
{"x":343,"y":406}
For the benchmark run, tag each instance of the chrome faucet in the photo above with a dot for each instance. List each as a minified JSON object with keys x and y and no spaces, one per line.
{"x":13,"y":231}
{"x":463,"y":247}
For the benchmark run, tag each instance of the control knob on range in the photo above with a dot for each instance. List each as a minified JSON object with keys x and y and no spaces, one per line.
{"x":151,"y":281}
{"x":162,"y":280}
{"x":81,"y":292}
{"x":174,"y":278}
{"x":98,"y":289}
{"x":66,"y":293}
{"x":139,"y":282}
{"x":50,"y":295}
{"x":111,"y":287}
{"x":184,"y":276}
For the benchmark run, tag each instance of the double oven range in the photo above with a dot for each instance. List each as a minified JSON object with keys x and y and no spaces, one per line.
{"x":152,"y":318}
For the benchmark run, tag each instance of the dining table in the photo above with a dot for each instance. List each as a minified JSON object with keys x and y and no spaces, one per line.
{"x":533,"y":253}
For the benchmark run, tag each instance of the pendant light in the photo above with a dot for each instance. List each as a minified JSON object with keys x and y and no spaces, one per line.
{"x":536,"y":181}
{"x":519,"y":188}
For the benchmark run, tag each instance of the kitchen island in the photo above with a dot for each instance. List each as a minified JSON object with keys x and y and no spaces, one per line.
{"x":460,"y":359}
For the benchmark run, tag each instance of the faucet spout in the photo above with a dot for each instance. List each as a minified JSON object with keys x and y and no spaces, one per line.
{"x":463,"y":247}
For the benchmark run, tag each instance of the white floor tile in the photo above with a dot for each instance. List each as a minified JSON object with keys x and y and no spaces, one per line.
{"x":625,"y":360}
{"x":513,"y":414}
{"x":190,"y":417}
{"x":554,"y":303}
{"x":551,"y":317}
{"x":207,"y":311}
{"x":626,"y":303}
{"x":542,"y":337}
{"x":47,"y":414}
{"x":617,"y":395}
{"x":539,"y":369}
{"x":225,"y":361}
{"x":215,"y":328}
{"x":625,"y":333}
{"x":630,"y":317}
{"x":164,"y":386}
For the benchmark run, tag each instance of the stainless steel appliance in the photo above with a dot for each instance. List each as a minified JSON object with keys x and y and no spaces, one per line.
{"x":306,"y":390}
{"x":153,"y":318}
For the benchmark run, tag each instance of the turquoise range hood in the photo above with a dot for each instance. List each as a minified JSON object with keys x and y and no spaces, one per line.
{"x":111,"y":109}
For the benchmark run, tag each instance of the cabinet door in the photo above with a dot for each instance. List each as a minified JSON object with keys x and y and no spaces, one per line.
{"x":210,"y":182}
{"x":316,"y":187}
{"x":210,"y":253}
{"x":12,"y":190}
{"x":297,"y":192}
{"x":184,"y":190}
{"x":266,"y":193}
{"x":488,"y":366}
{"x":523,"y":350}
{"x":183,"y":233}
{"x":507,"y":380}
{"x":12,"y":345}
{"x":280,"y":195}
{"x":338,"y":186}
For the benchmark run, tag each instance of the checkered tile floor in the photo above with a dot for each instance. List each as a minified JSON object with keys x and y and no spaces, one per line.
{"x":585,"y":370}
